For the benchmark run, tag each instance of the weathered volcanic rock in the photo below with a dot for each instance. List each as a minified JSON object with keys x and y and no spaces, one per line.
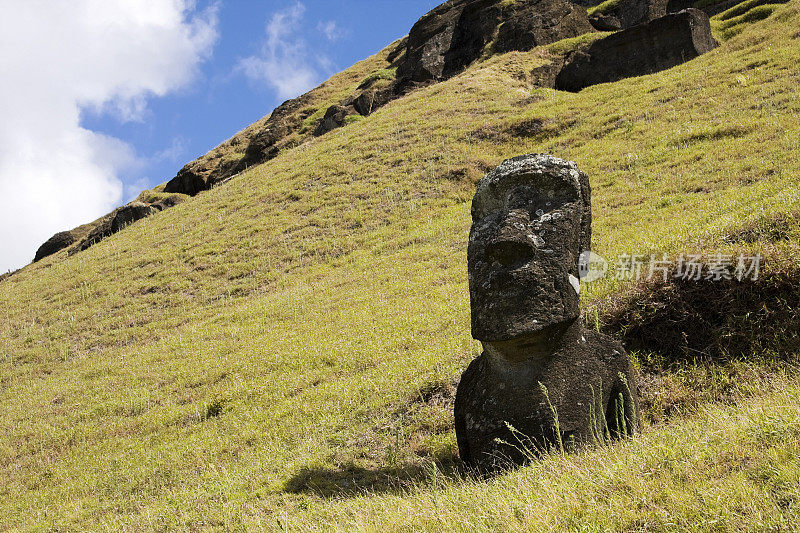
{"x":368,"y":101}
{"x":453,"y":35}
{"x":526,"y":25}
{"x":266,"y":144}
{"x":54,"y":244}
{"x":190,"y":180}
{"x":628,"y":13}
{"x":570,"y":390}
{"x":675,"y":6}
{"x":116,"y":221}
{"x":100,"y":231}
{"x":442,"y":43}
{"x":128,"y":214}
{"x":260,"y":143}
{"x":658,"y":45}
{"x":334,"y":118}
{"x":531,"y":220}
{"x":543,"y":379}
{"x":169,"y":201}
{"x":364,"y":103}
{"x":719,"y":7}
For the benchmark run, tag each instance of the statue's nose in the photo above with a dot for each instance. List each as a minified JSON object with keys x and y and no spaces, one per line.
{"x":510,"y":252}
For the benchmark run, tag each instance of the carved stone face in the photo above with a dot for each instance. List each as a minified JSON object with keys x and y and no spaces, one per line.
{"x":530,"y":222}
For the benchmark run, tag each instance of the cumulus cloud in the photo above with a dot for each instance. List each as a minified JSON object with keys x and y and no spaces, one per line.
{"x":285,"y":62}
{"x":60,"y":59}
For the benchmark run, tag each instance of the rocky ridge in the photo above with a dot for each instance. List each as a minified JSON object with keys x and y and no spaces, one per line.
{"x":440,"y":45}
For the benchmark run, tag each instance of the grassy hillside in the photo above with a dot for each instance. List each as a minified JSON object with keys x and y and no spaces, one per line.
{"x":263,"y":354}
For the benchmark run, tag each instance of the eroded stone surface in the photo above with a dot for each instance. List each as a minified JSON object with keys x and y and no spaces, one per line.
{"x":645,"y":49}
{"x":450,"y":37}
{"x":629,"y":13}
{"x":54,"y":244}
{"x":541,"y":373}
{"x":531,"y":220}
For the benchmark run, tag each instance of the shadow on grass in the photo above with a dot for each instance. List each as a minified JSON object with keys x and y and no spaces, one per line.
{"x":354,"y":480}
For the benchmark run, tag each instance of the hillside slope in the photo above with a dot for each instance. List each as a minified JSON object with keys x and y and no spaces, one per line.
{"x":259,"y":354}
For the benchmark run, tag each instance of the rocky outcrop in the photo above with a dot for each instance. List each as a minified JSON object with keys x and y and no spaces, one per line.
{"x":628,"y":13}
{"x":259,"y":143}
{"x":116,"y":221}
{"x":128,"y":214}
{"x":335,"y":117}
{"x":449,"y":38}
{"x":54,"y":244}
{"x":441,"y":44}
{"x":658,"y":45}
{"x":122,"y":217}
{"x":455,"y":34}
{"x":676,"y":6}
{"x":363,"y":103}
{"x":543,"y":379}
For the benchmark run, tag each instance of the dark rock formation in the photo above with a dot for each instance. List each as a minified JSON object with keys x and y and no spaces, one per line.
{"x":266,"y":144}
{"x":261,"y":143}
{"x":658,"y":45}
{"x":720,"y":7}
{"x":628,"y":13}
{"x":334,"y":118}
{"x":453,"y":35}
{"x":675,"y":6}
{"x":190,"y":180}
{"x":100,"y":231}
{"x":543,"y":379}
{"x":54,"y":244}
{"x":128,"y":214}
{"x":602,"y":22}
{"x":364,"y":103}
{"x":370,"y":100}
{"x":441,"y":44}
{"x":170,"y":201}
{"x":120,"y":218}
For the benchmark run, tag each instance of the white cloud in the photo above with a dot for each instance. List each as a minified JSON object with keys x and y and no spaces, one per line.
{"x":331,"y":30}
{"x":58,"y":59}
{"x":173,"y":152}
{"x":285,"y":63}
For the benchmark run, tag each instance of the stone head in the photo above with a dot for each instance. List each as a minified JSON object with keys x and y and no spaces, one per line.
{"x":531,"y":220}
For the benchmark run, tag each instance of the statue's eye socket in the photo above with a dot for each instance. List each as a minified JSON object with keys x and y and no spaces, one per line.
{"x":510,"y":253}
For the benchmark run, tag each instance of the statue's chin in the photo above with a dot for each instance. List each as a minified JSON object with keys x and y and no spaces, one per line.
{"x":519,"y":329}
{"x":533,"y":343}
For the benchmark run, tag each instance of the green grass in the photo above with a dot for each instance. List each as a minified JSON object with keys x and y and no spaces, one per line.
{"x":565,"y":46}
{"x":278,"y":351}
{"x":738,"y":18}
{"x":382,"y":74}
{"x":604,"y":7}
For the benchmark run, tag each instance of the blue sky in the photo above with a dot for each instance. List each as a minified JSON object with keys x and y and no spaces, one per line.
{"x":223,"y":100}
{"x":112,"y":97}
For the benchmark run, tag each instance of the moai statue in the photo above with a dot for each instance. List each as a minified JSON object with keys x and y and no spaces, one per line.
{"x":543,"y":380}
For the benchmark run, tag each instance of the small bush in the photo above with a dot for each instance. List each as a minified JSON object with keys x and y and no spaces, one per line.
{"x":681,"y":320}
